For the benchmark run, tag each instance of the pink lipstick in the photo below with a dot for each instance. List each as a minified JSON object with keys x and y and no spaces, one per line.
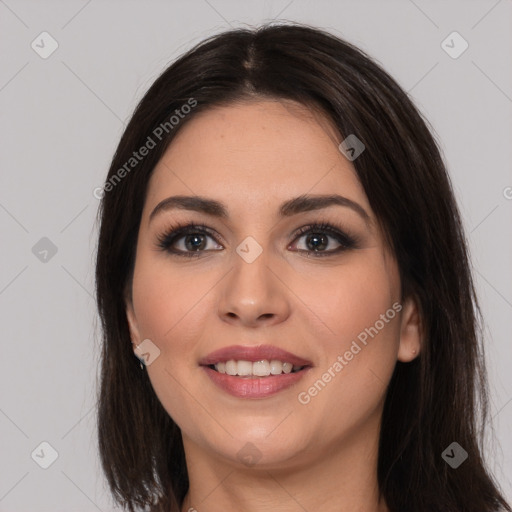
{"x":254,"y":372}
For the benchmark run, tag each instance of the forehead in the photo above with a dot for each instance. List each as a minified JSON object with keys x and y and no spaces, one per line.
{"x":255,"y":152}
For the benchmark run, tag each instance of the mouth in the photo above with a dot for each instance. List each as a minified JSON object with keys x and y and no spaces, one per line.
{"x":254,"y":372}
{"x":256,"y":369}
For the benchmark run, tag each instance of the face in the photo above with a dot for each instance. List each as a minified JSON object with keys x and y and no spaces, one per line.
{"x":272,"y":280}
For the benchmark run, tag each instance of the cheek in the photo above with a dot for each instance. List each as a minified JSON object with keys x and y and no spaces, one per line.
{"x":356,"y":296}
{"x":166,"y":299}
{"x":170,"y":313}
{"x":361,"y":327}
{"x":363,"y":330}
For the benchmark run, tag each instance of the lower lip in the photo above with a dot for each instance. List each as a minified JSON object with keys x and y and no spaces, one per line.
{"x":258,"y":387}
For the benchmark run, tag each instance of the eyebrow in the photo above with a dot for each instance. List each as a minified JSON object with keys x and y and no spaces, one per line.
{"x":303,"y":203}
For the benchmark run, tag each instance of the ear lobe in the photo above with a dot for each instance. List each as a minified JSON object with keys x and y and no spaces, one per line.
{"x":411,"y":331}
{"x":132,"y":324}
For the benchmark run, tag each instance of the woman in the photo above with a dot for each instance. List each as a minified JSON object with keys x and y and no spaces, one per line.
{"x":281,"y":251}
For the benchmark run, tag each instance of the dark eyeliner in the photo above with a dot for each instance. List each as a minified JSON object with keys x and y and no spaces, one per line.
{"x":166,"y":239}
{"x":174,"y":232}
{"x":345,"y":240}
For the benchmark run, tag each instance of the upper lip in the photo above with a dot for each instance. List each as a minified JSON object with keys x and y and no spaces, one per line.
{"x":253,"y":354}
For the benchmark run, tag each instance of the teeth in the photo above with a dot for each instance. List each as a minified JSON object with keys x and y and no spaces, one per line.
{"x":231,"y":367}
{"x":276,"y":367}
{"x":262,"y":368}
{"x":244,"y":368}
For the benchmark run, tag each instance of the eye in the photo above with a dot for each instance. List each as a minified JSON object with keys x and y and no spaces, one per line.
{"x":191,"y":240}
{"x":188,"y":240}
{"x":323,"y":240}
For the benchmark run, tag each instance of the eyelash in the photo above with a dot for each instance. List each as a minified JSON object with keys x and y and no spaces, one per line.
{"x":177,"y":231}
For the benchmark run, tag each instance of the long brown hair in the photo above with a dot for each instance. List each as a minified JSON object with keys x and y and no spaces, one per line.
{"x":439,"y":398}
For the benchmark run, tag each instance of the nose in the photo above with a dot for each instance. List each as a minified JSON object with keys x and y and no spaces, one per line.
{"x":253,"y":294}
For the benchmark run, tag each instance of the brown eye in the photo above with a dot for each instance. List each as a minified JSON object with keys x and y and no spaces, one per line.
{"x":323,"y":240}
{"x":189,"y":240}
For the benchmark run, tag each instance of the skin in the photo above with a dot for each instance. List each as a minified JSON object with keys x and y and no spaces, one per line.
{"x":253,"y":156}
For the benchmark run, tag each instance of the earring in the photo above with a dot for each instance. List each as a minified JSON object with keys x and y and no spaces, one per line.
{"x":141,"y":364}
{"x":140,"y":360}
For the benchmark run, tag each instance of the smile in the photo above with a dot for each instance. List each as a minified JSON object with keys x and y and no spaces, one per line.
{"x":252,"y":386}
{"x":258,"y":371}
{"x":249,"y":369}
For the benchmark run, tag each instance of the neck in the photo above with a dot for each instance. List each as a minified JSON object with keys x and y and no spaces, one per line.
{"x":342,"y":478}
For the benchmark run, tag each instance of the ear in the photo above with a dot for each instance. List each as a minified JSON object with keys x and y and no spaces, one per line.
{"x":132,"y":324}
{"x":411,"y":331}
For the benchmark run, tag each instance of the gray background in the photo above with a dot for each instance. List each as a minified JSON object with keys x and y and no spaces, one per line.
{"x":61,"y":119}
